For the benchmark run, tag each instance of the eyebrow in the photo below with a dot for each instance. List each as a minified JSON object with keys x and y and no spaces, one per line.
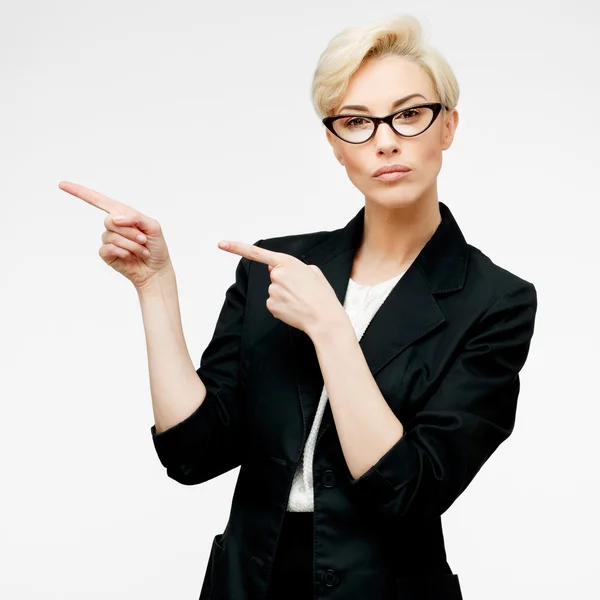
{"x":394,"y":105}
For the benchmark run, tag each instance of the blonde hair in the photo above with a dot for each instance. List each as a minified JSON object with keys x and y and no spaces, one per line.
{"x":399,"y":35}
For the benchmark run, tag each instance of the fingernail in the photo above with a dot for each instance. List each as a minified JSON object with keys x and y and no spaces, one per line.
{"x":119,"y":218}
{"x":223,"y":244}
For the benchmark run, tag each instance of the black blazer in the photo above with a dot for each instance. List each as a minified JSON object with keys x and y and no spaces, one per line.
{"x":445,"y":349}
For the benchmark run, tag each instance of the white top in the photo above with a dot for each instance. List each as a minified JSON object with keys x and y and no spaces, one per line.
{"x":361,"y":303}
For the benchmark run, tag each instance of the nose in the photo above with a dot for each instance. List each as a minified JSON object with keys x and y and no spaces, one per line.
{"x":386,"y":139}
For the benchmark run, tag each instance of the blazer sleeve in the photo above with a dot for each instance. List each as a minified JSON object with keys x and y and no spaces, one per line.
{"x":470,"y":414}
{"x":209,"y":442}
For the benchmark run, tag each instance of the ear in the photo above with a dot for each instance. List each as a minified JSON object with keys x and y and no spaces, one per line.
{"x":329,"y":137}
{"x":333,"y":142}
{"x":450,"y":125}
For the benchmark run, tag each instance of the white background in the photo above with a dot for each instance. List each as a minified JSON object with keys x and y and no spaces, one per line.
{"x":160,"y":105}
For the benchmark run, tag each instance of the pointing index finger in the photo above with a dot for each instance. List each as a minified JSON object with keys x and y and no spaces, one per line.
{"x":256,"y":253}
{"x":94,"y":198}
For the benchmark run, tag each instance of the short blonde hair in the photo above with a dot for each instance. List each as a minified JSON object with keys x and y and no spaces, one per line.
{"x":399,"y":35}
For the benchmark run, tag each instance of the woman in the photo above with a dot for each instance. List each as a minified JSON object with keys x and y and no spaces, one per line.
{"x":360,"y":377}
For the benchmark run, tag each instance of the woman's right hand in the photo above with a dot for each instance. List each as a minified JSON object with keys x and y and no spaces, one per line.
{"x":120,"y":247}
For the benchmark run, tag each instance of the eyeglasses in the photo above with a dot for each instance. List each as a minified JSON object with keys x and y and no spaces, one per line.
{"x":408,"y":122}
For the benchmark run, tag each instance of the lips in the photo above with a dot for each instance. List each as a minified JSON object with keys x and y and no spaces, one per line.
{"x":391,"y":169}
{"x":393,"y":176}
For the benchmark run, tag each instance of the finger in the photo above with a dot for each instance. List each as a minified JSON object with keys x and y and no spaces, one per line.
{"x":122,"y":227}
{"x":255,"y":253}
{"x":110,"y":237}
{"x":95,"y":198}
{"x":110,"y":252}
{"x":131,"y":216}
{"x":135,"y":222}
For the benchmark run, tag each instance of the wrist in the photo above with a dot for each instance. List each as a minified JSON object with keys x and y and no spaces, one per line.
{"x":334,"y":326}
{"x":159,"y":282}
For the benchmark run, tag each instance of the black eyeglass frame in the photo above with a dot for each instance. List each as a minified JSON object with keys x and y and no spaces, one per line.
{"x":436,"y":107}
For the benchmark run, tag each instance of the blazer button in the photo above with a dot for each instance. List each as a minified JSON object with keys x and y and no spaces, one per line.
{"x":330,"y":578}
{"x":328,"y":478}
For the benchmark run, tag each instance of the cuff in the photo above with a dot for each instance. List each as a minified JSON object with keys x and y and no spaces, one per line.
{"x":190,"y":436}
{"x":387,"y":479}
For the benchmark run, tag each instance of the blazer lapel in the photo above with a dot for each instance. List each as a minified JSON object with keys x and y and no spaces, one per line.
{"x":409,"y":312}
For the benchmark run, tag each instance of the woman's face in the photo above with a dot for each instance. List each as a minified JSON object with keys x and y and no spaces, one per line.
{"x":376,"y":85}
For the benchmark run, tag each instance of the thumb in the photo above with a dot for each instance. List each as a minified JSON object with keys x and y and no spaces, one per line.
{"x":137,"y":219}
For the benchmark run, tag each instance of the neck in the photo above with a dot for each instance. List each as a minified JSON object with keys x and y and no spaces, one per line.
{"x":393,"y":237}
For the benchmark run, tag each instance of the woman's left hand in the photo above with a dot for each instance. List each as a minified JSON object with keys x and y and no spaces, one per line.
{"x":299,"y":294}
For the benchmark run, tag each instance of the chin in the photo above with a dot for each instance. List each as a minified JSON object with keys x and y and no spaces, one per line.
{"x":394,"y":197}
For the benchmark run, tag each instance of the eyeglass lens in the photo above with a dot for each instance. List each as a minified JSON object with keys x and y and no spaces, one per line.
{"x":411,"y":121}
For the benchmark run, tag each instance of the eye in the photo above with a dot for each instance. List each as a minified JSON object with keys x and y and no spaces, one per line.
{"x":356,"y":122}
{"x":408,"y":114}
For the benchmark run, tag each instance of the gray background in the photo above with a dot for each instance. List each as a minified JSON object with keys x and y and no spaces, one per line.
{"x":160,"y":105}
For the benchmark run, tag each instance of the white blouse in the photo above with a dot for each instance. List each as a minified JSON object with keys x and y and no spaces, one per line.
{"x":361,"y":303}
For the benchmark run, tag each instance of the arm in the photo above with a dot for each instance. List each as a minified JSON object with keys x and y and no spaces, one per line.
{"x":176,"y":389}
{"x":366,"y":425}
{"x":421,"y":473}
{"x":197,"y":432}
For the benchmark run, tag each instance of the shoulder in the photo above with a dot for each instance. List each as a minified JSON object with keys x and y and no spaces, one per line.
{"x":496,"y":280}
